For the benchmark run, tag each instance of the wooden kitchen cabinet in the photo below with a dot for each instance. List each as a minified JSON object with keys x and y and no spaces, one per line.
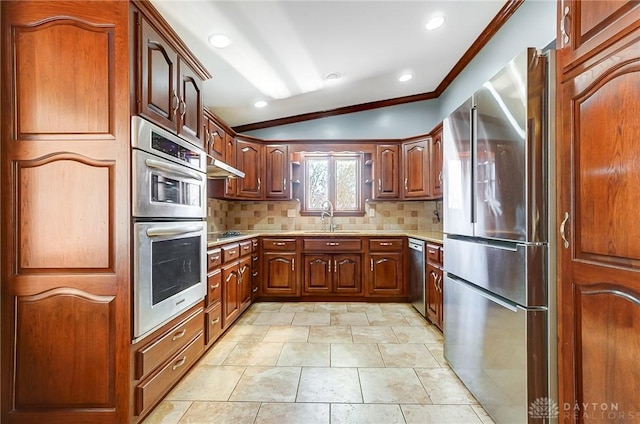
{"x":230,"y":293}
{"x":249,"y":155}
{"x":168,"y":80}
{"x":385,"y":270}
{"x":386,"y":172}
{"x":436,"y":158}
{"x":244,"y":273}
{"x":279,"y":275}
{"x":332,"y":274}
{"x":65,"y":212}
{"x":214,"y":136}
{"x":416,"y":165}
{"x":230,"y":155}
{"x":276,"y":172}
{"x":435,"y":285}
{"x":598,"y":182}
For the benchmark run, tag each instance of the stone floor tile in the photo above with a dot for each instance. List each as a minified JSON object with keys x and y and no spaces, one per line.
{"x":244,"y":333}
{"x":329,"y":385}
{"x":482,"y":414}
{"x":293,"y":413}
{"x":254,"y":353}
{"x":274,"y":318}
{"x":218,"y":353}
{"x":392,"y":385}
{"x":407,"y":355}
{"x":355,"y":413}
{"x":266,"y":306}
{"x":298,"y":307}
{"x":168,"y":412}
{"x":437,"y":351}
{"x":207,"y":382}
{"x":440,"y":414}
{"x":444,"y":387}
{"x":355,"y":355}
{"x":330,"y":307}
{"x":330,"y":334}
{"x":312,"y":318}
{"x":267,"y":384}
{"x":221,"y":412}
{"x":287,"y":333}
{"x":363,"y":307}
{"x":373,"y":334}
{"x":387,"y":319}
{"x":349,"y":318}
{"x":305,"y":354}
{"x":417,"y":334}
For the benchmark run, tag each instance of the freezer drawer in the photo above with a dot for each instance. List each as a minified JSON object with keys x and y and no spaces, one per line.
{"x":516,"y":272}
{"x":497,"y":349}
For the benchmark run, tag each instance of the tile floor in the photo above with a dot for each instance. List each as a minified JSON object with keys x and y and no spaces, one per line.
{"x":321,"y":363}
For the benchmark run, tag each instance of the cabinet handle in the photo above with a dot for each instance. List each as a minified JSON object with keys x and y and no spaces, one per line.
{"x":215,"y":286}
{"x":184,"y":108}
{"x":379,"y":184}
{"x":214,"y":258}
{"x":176,"y":102}
{"x":563,"y":25}
{"x":179,"y":335}
{"x":246,"y":247}
{"x":440,"y":177}
{"x":335,"y":265}
{"x":279,"y":243}
{"x":232,"y":252}
{"x":385,"y":244}
{"x":259,"y":183}
{"x":180,"y":363}
{"x":293,"y":264}
{"x":215,"y":321}
{"x":371,"y":264}
{"x":284,"y":184}
{"x":255,"y":289}
{"x":333,"y":244}
{"x":431,"y":251}
{"x":255,"y":274}
{"x":406,"y":183}
{"x":562,"y":230}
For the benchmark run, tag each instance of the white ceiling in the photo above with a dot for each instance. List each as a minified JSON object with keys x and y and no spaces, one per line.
{"x":281,"y":50}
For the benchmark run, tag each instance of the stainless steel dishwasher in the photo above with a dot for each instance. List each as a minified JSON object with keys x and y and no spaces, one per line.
{"x":417,"y":292}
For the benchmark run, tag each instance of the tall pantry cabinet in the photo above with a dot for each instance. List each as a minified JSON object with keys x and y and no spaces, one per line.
{"x":65,"y":212}
{"x":598,"y":136}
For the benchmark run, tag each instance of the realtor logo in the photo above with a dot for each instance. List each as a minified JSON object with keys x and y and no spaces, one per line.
{"x":543,"y":408}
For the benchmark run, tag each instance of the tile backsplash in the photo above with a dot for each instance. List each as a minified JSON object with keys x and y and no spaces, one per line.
{"x":275,"y":216}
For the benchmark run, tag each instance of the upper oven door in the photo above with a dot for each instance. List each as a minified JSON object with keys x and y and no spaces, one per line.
{"x":164,"y":189}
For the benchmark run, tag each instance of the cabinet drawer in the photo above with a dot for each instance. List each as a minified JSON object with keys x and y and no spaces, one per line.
{"x":245,"y":247}
{"x":230,"y":252}
{"x":385,"y":245}
{"x":278,"y":245}
{"x":154,"y":353}
{"x":214,"y":287}
{"x":433,"y":253}
{"x":214,"y":259}
{"x":213,"y":323}
{"x":337,"y":244}
{"x":151,"y":390}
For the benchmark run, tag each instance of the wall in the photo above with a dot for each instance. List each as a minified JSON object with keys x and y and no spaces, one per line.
{"x":274,"y":216}
{"x":533,"y":25}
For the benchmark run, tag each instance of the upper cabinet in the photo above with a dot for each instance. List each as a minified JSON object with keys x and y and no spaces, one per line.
{"x":386,"y":172}
{"x":436,"y":162}
{"x":415,"y":155}
{"x":214,"y":137}
{"x":276,"y":172}
{"x":167,"y":79}
{"x":249,"y":160}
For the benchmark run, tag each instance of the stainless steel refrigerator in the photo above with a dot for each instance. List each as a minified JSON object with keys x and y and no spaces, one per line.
{"x":499,"y":291}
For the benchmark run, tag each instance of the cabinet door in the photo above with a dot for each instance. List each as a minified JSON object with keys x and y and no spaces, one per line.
{"x":279,"y":274}
{"x":347,"y":274}
{"x":432,"y":294}
{"x":318,"y":273}
{"x":230,"y":157}
{"x":244,"y":274}
{"x":249,"y":161}
{"x":190,"y":110}
{"x":385,"y":274}
{"x":416,"y":169}
{"x":436,"y":163}
{"x":157,"y":99}
{"x":230,"y":294}
{"x":387,"y":172}
{"x":599,"y":188}
{"x":216,"y":140}
{"x":276,"y":171}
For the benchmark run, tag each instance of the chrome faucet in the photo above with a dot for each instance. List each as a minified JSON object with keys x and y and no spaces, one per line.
{"x":327,"y":210}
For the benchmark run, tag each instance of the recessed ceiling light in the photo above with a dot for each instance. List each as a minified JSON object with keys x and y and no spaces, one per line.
{"x":260,"y":103}
{"x":405,"y":77}
{"x":435,"y":22}
{"x":219,"y":40}
{"x":332,"y":76}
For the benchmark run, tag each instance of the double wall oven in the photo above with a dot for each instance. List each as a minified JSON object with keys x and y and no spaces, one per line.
{"x":169,"y":225}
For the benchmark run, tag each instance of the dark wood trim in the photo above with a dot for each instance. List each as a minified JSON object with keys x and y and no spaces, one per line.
{"x":494,"y":26}
{"x":148,"y":9}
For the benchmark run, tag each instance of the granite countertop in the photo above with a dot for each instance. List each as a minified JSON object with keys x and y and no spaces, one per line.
{"x":430,"y":236}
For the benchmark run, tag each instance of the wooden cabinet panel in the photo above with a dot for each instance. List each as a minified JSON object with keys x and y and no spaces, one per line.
{"x":158,"y":97}
{"x":385,"y":275}
{"x":214,"y":137}
{"x":386,"y":244}
{"x":230,"y":252}
{"x":347,"y":274}
{"x":245,"y":247}
{"x":230,"y":293}
{"x":230,"y":156}
{"x":249,"y":161}
{"x":332,"y":244}
{"x":599,"y":190}
{"x":387,"y":174}
{"x":278,"y":245}
{"x":317,"y":274}
{"x":214,"y":259}
{"x":435,"y":295}
{"x":276,"y":172}
{"x":214,"y":287}
{"x":244,"y":274}
{"x":190,"y":116}
{"x":213,"y":323}
{"x":65,"y":212}
{"x":436,"y":162}
{"x":415,"y":168}
{"x":279,"y":274}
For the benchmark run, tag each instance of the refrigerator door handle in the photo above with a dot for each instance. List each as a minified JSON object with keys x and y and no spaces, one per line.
{"x":488,"y":296}
{"x":474,"y":160}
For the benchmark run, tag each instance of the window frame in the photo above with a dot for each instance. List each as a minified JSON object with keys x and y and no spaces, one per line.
{"x":359,"y":156}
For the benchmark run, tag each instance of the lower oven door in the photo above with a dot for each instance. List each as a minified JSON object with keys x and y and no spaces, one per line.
{"x":169,"y":271}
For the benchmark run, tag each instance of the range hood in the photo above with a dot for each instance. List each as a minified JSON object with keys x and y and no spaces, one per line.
{"x":216,"y":169}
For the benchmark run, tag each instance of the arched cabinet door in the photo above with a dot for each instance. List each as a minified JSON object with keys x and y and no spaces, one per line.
{"x":65,"y":212}
{"x":599,"y":192}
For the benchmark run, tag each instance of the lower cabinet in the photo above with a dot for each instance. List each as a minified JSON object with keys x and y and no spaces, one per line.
{"x":279,"y":274}
{"x":435,"y":295}
{"x":332,"y":274}
{"x":385,"y":274}
{"x":230,"y":293}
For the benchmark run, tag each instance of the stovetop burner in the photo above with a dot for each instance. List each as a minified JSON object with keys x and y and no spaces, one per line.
{"x":231,"y":233}
{"x":222,"y":235}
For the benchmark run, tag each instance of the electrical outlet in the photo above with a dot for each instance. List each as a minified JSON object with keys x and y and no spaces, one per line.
{"x":291,"y":213}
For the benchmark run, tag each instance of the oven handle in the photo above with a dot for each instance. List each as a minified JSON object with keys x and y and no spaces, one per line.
{"x":172,"y":231}
{"x":152,"y":163}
